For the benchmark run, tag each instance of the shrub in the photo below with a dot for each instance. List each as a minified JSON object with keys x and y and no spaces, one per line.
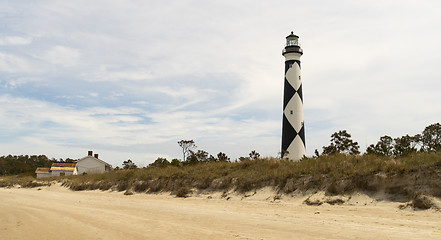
{"x":183,"y":192}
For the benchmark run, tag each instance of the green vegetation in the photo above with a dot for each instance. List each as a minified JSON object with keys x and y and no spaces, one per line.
{"x":428,"y":141}
{"x":186,"y":146}
{"x":129,"y":164}
{"x":341,"y":142}
{"x":407,"y":166}
{"x":24,"y":181}
{"x":25,"y":164}
{"x":408,"y":176}
{"x":335,"y":173}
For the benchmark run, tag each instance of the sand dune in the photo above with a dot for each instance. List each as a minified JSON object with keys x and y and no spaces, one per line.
{"x":55,"y":212}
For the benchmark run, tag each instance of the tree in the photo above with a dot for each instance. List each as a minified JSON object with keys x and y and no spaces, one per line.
{"x":222,"y":157}
{"x":70,"y":160}
{"x":254,"y":155}
{"x":160,"y":163}
{"x":23,"y":164}
{"x":175,"y":162}
{"x":384,"y":147}
{"x":316,"y":153}
{"x":129,"y":165}
{"x":431,"y":138}
{"x":341,"y":142}
{"x":331,"y":149}
{"x":187,"y":146}
{"x":197,"y":157}
{"x":212,"y":158}
{"x":191,"y":159}
{"x":406,"y":145}
{"x":202,"y":156}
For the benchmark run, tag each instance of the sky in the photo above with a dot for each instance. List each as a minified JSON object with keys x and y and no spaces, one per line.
{"x":128,"y":79}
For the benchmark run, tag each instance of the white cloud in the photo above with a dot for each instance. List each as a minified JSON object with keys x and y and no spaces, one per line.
{"x":103,"y":74}
{"x":14,"y":40}
{"x":13,"y":64}
{"x":60,"y":127}
{"x":62,"y":56}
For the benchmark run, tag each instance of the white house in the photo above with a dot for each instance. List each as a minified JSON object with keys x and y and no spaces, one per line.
{"x":91,"y":165}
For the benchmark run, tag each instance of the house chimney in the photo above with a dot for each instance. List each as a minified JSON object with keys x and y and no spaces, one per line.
{"x":96,"y":155}
{"x":89,"y":153}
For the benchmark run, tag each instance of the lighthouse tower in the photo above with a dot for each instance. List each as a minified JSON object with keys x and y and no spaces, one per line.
{"x":293,"y":131}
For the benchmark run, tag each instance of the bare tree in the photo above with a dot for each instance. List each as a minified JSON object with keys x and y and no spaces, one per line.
{"x":186,"y":146}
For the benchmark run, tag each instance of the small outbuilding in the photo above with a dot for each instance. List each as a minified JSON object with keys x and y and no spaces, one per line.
{"x":91,"y":164}
{"x":43,"y":172}
{"x":62,"y":169}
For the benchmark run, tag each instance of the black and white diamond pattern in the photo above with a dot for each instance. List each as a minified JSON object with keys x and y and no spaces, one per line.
{"x":293,"y":133}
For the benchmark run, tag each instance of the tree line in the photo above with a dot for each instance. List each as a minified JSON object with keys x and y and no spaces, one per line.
{"x":190,"y":156}
{"x":25,"y":164}
{"x":429,"y":140}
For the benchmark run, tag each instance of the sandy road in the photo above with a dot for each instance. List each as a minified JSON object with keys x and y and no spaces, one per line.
{"x":55,"y":212}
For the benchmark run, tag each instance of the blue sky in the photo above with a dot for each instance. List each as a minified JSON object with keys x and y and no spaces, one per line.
{"x":128,"y":79}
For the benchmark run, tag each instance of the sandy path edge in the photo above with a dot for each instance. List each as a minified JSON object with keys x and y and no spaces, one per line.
{"x":55,"y":212}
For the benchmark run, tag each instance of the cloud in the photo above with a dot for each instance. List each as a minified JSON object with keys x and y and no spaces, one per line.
{"x":14,"y":40}
{"x":13,"y":64}
{"x":103,"y":74}
{"x":125,"y":128}
{"x":62,"y":56}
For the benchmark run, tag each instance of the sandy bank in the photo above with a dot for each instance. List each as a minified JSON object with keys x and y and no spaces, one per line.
{"x":56,"y":212}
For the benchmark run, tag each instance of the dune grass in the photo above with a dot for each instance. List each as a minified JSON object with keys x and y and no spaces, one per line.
{"x":287,"y":176}
{"x":251,"y":174}
{"x":23,"y":181}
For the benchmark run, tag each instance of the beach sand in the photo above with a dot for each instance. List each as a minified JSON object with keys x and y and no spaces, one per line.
{"x":56,"y":212}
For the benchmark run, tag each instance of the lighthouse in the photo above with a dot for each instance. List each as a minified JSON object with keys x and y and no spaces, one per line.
{"x":293,"y":129}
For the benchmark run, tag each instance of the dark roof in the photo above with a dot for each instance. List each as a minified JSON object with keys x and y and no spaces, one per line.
{"x":63,"y":164}
{"x":292,"y":35}
{"x":42,"y":170}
